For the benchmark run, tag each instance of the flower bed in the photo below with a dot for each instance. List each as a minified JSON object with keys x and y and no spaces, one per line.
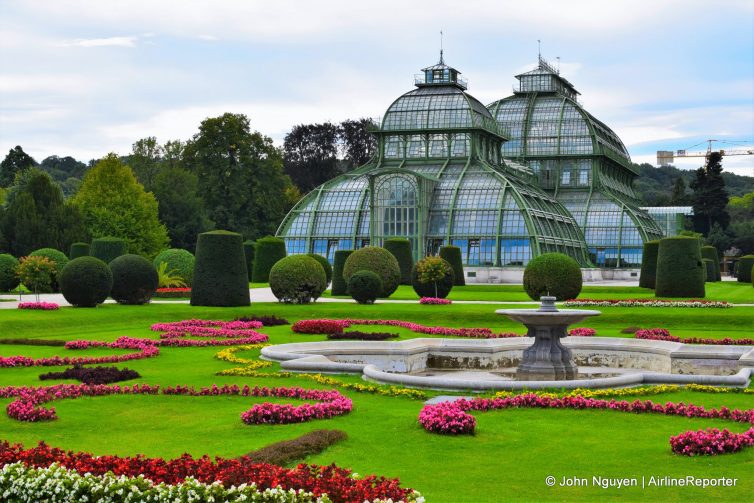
{"x":325,"y":326}
{"x":173,"y":293}
{"x":42,"y":306}
{"x":356,"y":335}
{"x":645,"y":303}
{"x":144,"y":347}
{"x":663,"y":334}
{"x":434,"y":301}
{"x":93,"y":375}
{"x":582,"y":332}
{"x":267,"y":321}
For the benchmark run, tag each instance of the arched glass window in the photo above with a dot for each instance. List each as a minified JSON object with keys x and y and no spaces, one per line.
{"x":396,"y":202}
{"x":394,"y":147}
{"x":460,"y":145}
{"x":417,"y":146}
{"x":438,"y":145}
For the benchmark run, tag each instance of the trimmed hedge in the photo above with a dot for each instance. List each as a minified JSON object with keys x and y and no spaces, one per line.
{"x":78,"y":250}
{"x":86,"y":281}
{"x":379,"y":261}
{"x":220,"y":275}
{"x":56,"y":256}
{"x":287,"y":451}
{"x":709,"y":270}
{"x":452,"y":254}
{"x":745,"y":265}
{"x":135,"y":279}
{"x":108,"y":248}
{"x":8,"y":267}
{"x":178,"y":259}
{"x":648,"y":275}
{"x":401,"y":250}
{"x":339,"y":285}
{"x":710,"y":252}
{"x":554,"y":274}
{"x":268,"y":251}
{"x":444,"y":286}
{"x":680,"y":272}
{"x":364,"y":286}
{"x":248,"y":250}
{"x":325,"y":266}
{"x":297,"y":279}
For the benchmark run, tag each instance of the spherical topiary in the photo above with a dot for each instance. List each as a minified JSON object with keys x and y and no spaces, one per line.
{"x":86,"y":281}
{"x":267,"y":252}
{"x":78,"y":250}
{"x":8,"y":267}
{"x":134,"y":279}
{"x":248,"y":250}
{"x":60,"y":260}
{"x":325,"y":266}
{"x":339,"y":285}
{"x":401,"y":250}
{"x":680,"y":272}
{"x":452,"y":254}
{"x":649,"y":264}
{"x":745,"y":265}
{"x":107,"y":248}
{"x":432,"y":277}
{"x":379,"y":261}
{"x":364,"y":286}
{"x":710,"y":252}
{"x":709,"y":270}
{"x":297,"y":279}
{"x":220,"y":275}
{"x":179,"y":260}
{"x":553,"y":274}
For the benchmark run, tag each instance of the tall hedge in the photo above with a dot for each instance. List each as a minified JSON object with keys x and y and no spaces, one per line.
{"x":452,"y":254}
{"x":248,"y":250}
{"x":680,"y":271}
{"x":554,"y":274}
{"x":648,"y":275}
{"x":325,"y":266}
{"x":78,"y":250}
{"x":108,"y":248}
{"x":339,"y":284}
{"x":8,"y":267}
{"x":401,"y":250}
{"x":220,"y":275}
{"x":709,"y":270}
{"x":744,"y":266}
{"x":710,"y":252}
{"x":179,"y":260}
{"x":379,"y":261}
{"x":268,"y":251}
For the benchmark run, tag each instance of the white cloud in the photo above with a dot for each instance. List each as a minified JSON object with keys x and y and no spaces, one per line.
{"x":101,"y":42}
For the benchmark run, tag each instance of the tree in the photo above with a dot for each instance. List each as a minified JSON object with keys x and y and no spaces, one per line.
{"x":145,"y":159}
{"x":17,"y":160}
{"x":180,"y":207}
{"x":710,"y":197}
{"x":114,"y":203}
{"x":240,"y":176}
{"x":310,"y":154}
{"x":62,"y":168}
{"x":357,"y":144}
{"x":720,"y":238}
{"x":678,"y":196}
{"x":741,"y":211}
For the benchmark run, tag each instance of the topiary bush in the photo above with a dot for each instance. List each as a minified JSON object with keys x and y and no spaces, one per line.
{"x":401,"y":250}
{"x":364,"y":286}
{"x":297,"y":279}
{"x":78,"y":250}
{"x":744,"y":266}
{"x":134,"y":279}
{"x":325,"y":266}
{"x":8,"y":267}
{"x":58,"y":258}
{"x":709,"y":270}
{"x":553,"y":274}
{"x":248,"y":250}
{"x":220,"y":275}
{"x":339,"y":285}
{"x":432,"y":277}
{"x":108,"y":248}
{"x":86,"y":281}
{"x":680,"y":272}
{"x":379,"y":261}
{"x":710,"y":252}
{"x":649,"y":265}
{"x":179,"y":262}
{"x":267,"y":252}
{"x":452,"y":254}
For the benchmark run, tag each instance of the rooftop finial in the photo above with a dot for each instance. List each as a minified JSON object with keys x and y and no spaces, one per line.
{"x":539,"y":50}
{"x":442,"y":60}
{"x":558,"y":58}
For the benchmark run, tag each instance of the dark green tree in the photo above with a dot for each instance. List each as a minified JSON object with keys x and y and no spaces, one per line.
{"x":357,"y":143}
{"x":16,"y":160}
{"x":145,"y":161}
{"x":710,"y":197}
{"x":311,"y":154}
{"x":180,"y":207}
{"x":741,"y":211}
{"x":678,"y":196}
{"x":720,"y":238}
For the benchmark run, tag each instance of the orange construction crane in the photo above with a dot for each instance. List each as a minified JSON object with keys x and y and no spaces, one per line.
{"x":666,"y":157}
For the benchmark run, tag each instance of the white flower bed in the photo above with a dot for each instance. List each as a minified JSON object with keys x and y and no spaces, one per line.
{"x":647,"y":303}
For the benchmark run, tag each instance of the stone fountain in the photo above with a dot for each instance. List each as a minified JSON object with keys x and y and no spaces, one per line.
{"x":547,"y":359}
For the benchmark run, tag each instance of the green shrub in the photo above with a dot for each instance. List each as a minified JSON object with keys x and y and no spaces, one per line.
{"x":297,"y":279}
{"x":267,"y":252}
{"x":37,"y":273}
{"x":709,"y":270}
{"x":134,"y":279}
{"x":86,"y":281}
{"x":379,"y":261}
{"x":169,"y":279}
{"x":710,"y":252}
{"x":248,"y":250}
{"x":453,"y":255}
{"x":58,"y":258}
{"x":745,"y":265}
{"x":108,"y":248}
{"x":325,"y":266}
{"x":220,"y":275}
{"x":8,"y":269}
{"x":553,"y":274}
{"x":680,"y":272}
{"x":78,"y":250}
{"x":401,"y":250}
{"x":179,"y":262}
{"x":649,"y":264}
{"x":364,"y":286}
{"x":432,"y":277}
{"x":339,"y":285}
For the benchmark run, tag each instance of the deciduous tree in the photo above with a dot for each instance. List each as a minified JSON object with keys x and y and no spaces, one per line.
{"x":16,"y":160}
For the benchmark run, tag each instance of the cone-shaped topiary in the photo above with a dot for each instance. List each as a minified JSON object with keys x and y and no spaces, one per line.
{"x":56,"y":256}
{"x":179,"y":260}
{"x":248,"y":250}
{"x":78,"y":250}
{"x":325,"y":266}
{"x":220,"y":275}
{"x":649,"y":264}
{"x":680,"y":272}
{"x":554,"y":274}
{"x":297,"y":279}
{"x":8,"y":267}
{"x":709,"y":270}
{"x":268,"y":251}
{"x":339,"y":285}
{"x":379,"y":261}
{"x":453,"y":256}
{"x":432,"y":277}
{"x":744,"y":268}
{"x":401,"y":250}
{"x":710,"y":252}
{"x":364,"y":286}
{"x":134,"y":279}
{"x":108,"y":248}
{"x":86,"y":282}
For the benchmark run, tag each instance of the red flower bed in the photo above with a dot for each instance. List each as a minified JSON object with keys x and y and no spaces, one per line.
{"x":176,"y":293}
{"x":336,"y":326}
{"x":582,"y":332}
{"x":43,"y":306}
{"x":663,"y":334}
{"x":319,"y":326}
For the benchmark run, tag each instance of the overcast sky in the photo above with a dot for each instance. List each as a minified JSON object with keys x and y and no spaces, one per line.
{"x":84,"y":78}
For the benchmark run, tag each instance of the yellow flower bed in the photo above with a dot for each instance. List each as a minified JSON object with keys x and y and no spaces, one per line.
{"x":624,"y":392}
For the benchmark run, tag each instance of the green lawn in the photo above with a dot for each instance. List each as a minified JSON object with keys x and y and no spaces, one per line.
{"x":508,"y":458}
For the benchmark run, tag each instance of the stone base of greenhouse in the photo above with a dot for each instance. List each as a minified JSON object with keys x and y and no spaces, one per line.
{"x":494,"y":275}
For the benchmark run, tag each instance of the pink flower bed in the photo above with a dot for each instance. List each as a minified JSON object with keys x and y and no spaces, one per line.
{"x":330,"y":404}
{"x":434,"y":301}
{"x":582,"y":332}
{"x":646,"y":303}
{"x":710,"y":442}
{"x":144,"y":347}
{"x":336,"y":326}
{"x":42,"y":306}
{"x":663,"y":334}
